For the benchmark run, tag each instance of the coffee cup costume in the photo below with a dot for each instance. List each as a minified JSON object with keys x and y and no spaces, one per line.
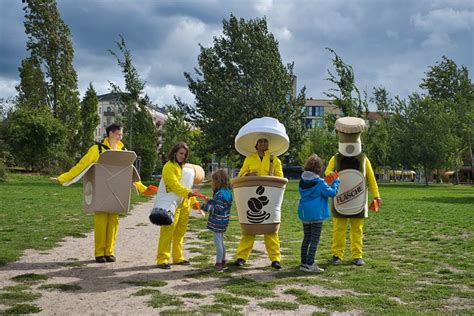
{"x":355,"y":173}
{"x":105,"y":219}
{"x":258,"y":198}
{"x":172,"y":198}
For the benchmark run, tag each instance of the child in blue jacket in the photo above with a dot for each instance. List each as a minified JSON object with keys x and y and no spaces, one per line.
{"x":219,"y":213}
{"x":313,"y":209}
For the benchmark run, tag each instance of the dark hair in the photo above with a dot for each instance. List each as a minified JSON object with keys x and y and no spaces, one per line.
{"x":314,"y":164}
{"x":112,"y":128}
{"x":220,"y":179}
{"x":174,"y":150}
{"x":256,"y":144}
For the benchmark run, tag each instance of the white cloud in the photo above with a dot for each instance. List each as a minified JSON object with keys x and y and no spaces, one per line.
{"x":163,"y":95}
{"x":263,"y":6}
{"x":444,"y":20}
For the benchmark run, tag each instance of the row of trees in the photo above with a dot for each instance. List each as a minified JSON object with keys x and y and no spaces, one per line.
{"x":427,"y":131}
{"x":240,"y":77}
{"x":49,"y":128}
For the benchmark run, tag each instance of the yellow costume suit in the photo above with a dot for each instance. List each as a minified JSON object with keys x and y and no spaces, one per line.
{"x":105,"y":224}
{"x":253,"y":164}
{"x":356,"y":223}
{"x":174,"y":233}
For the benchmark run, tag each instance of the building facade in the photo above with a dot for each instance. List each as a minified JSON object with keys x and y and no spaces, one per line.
{"x":109,"y":111}
{"x":315,"y":110}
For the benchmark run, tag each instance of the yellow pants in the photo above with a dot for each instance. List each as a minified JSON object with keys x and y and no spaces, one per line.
{"x":339,"y":226}
{"x":105,"y":233}
{"x":272,"y":244}
{"x":173,"y":234}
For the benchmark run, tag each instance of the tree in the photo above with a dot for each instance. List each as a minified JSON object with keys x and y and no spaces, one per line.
{"x":447,"y":83}
{"x":89,"y":119}
{"x":140,"y":132}
{"x":376,"y":138}
{"x":428,"y":140}
{"x":50,"y":46}
{"x":239,"y":78}
{"x":32,"y":90}
{"x":319,"y":141}
{"x":36,"y":139}
{"x":343,"y":97}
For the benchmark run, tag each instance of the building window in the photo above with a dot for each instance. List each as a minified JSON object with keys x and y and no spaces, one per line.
{"x":317,"y":111}
{"x":109,"y":109}
{"x":308,"y":123}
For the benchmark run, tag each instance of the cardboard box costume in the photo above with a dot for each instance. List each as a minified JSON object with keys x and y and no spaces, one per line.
{"x":107,"y":182}
{"x":258,"y":198}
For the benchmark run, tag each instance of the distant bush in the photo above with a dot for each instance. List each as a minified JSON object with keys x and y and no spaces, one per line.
{"x":3,"y":171}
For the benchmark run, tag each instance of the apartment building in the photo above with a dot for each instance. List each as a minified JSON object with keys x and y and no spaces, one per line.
{"x":109,"y":110}
{"x":315,"y":110}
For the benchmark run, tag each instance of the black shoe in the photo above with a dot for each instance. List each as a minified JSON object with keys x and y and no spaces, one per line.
{"x":100,"y":259}
{"x":110,"y":258}
{"x":336,"y":260}
{"x":165,"y":266}
{"x":276,"y":265}
{"x":240,"y":262}
{"x":183,"y":263}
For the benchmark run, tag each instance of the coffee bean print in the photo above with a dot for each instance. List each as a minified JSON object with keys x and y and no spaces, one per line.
{"x":263,"y":199}
{"x":254,"y":204}
{"x":260,"y":190}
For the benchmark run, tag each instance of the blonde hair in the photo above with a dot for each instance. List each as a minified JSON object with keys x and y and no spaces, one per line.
{"x":220,"y":180}
{"x":314,"y":164}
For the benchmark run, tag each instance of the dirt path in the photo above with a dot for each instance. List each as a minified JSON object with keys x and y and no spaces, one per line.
{"x":104,"y":287}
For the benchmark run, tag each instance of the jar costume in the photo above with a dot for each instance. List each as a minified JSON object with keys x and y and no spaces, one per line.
{"x":171,"y":239}
{"x":350,"y":203}
{"x":105,"y":223}
{"x":258,"y":198}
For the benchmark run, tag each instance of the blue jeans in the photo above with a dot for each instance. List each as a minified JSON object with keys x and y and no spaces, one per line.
{"x":312,"y":233}
{"x":220,"y":249}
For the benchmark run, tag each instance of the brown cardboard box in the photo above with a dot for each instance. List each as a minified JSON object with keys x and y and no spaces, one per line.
{"x":107,"y":183}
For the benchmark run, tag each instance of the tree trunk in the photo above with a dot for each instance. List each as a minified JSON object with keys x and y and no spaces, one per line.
{"x":426,"y":174}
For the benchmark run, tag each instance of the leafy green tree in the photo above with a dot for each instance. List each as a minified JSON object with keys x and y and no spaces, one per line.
{"x":375,"y":139}
{"x":343,"y":96}
{"x":239,"y":78}
{"x":447,"y":83}
{"x":89,"y":119}
{"x":50,"y":46}
{"x":36,"y":139}
{"x":140,"y":132}
{"x":32,"y":90}
{"x":321,"y":142}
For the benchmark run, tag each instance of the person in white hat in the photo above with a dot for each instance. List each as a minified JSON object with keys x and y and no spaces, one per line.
{"x":350,"y":204}
{"x":260,"y":163}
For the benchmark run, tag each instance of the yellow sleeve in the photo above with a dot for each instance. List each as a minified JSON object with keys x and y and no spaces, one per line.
{"x":277,"y":168}
{"x":88,"y":159}
{"x":139,"y":186}
{"x":371,"y":182}
{"x":173,"y":183}
{"x":245,"y":168}
{"x":331,"y":166}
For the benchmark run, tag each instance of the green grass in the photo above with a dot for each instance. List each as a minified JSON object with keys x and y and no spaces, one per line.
{"x":418,"y":250}
{"x":36,"y":213}
{"x":152,"y":283}
{"x":21,"y":309}
{"x":30,"y":278}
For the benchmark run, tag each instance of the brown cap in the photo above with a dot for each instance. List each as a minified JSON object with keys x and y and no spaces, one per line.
{"x":350,"y":125}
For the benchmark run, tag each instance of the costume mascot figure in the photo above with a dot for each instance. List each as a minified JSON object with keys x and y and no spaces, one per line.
{"x":350,"y":204}
{"x":260,"y":186}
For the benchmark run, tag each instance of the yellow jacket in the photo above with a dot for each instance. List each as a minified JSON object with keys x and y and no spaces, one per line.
{"x":172,"y":173}
{"x":253,"y":164}
{"x":369,"y":175}
{"x":89,"y":158}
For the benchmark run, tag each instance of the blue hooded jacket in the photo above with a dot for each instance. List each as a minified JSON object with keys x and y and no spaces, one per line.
{"x":314,"y":193}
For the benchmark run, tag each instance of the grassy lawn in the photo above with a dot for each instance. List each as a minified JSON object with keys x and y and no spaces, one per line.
{"x":418,"y":250}
{"x":36,"y":213}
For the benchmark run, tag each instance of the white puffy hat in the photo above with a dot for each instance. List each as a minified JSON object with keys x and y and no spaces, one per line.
{"x":265,"y":127}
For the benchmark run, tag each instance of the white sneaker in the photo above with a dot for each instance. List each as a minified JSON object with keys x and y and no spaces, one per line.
{"x":315,"y":268}
{"x":305,"y":268}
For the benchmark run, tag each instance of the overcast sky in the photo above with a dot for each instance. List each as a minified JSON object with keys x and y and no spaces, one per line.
{"x":388,"y":43}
